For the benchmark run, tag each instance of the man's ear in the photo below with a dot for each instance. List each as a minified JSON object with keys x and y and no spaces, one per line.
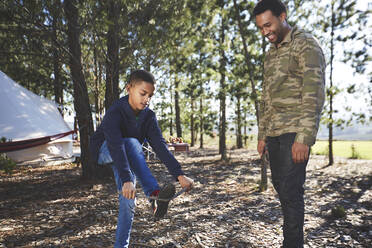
{"x":283,"y":16}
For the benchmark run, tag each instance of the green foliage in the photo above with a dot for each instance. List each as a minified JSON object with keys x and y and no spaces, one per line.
{"x":178,"y":40}
{"x":27,"y":49}
{"x":338,"y":212}
{"x":6,"y":164}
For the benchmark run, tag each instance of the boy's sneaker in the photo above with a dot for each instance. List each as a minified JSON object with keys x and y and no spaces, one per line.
{"x":160,"y":205}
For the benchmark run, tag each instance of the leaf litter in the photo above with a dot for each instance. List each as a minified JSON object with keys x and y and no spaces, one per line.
{"x":50,"y":206}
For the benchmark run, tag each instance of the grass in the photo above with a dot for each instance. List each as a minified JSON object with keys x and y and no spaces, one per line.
{"x":343,"y":148}
{"x":230,"y":141}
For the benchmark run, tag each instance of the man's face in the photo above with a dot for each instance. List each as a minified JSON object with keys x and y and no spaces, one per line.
{"x":271,"y":26}
{"x":140,"y":94}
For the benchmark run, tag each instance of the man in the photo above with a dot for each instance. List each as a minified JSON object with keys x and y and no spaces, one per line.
{"x":290,"y":109}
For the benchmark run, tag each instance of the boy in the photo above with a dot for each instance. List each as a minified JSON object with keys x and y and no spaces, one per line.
{"x":117,"y":141}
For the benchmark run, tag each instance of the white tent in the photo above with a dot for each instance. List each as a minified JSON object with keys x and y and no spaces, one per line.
{"x":25,"y":115}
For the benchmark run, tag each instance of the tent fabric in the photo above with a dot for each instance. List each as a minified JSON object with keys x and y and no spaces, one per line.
{"x":25,"y":115}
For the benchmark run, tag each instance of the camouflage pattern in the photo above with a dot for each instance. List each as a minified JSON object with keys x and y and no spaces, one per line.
{"x":293,"y":88}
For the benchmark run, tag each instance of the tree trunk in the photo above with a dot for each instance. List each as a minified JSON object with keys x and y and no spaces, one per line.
{"x":201,"y":121}
{"x":81,"y":99}
{"x":222,"y":131}
{"x":192,"y":123}
{"x":247,"y":60}
{"x":112,"y":63}
{"x":177,"y":109}
{"x":330,"y":124}
{"x":265,"y":162}
{"x":97,"y":84}
{"x":101,"y":110}
{"x":58,"y":87}
{"x":245,"y":129}
{"x":171,"y":113}
{"x":239,"y":140}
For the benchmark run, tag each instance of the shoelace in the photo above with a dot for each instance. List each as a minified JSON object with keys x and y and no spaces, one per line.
{"x":175,"y":195}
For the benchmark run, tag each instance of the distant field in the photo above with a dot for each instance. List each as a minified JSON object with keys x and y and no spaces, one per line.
{"x":341,"y":148}
{"x":362,"y":149}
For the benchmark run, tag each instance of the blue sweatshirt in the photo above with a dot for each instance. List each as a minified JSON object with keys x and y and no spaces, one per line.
{"x":120,"y":122}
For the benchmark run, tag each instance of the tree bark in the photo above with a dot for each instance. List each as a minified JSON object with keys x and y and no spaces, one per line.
{"x":171,"y":112}
{"x":245,"y":129}
{"x":201,"y":140}
{"x":192,"y":130}
{"x":239,"y":140}
{"x":97,"y":85}
{"x":222,"y":69}
{"x":81,"y":99}
{"x":265,"y":162}
{"x":330,"y":124}
{"x":112,"y":63}
{"x":247,"y":60}
{"x":177,"y":109}
{"x":58,"y":87}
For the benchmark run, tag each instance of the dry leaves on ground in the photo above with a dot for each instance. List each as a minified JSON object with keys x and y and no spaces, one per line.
{"x":49,"y":206}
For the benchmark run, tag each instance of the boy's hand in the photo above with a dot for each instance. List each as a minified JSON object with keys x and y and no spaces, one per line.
{"x":128,"y":190}
{"x":185,"y":182}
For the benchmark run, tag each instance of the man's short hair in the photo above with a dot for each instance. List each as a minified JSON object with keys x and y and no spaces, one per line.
{"x":276,"y":7}
{"x":141,"y":75}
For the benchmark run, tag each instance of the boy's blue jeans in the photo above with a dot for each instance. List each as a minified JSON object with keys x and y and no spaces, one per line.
{"x":288,"y":179}
{"x":142,"y":173}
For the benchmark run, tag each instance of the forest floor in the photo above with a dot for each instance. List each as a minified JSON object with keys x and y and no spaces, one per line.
{"x":49,"y":206}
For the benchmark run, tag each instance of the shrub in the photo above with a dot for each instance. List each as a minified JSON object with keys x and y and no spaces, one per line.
{"x":354,"y":153}
{"x":6,"y":164}
{"x":338,"y":212}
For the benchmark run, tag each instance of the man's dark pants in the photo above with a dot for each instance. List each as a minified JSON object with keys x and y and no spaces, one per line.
{"x":288,"y":179}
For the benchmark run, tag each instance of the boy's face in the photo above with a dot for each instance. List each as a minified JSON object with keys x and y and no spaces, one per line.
{"x":271,"y":26}
{"x":140,"y":93}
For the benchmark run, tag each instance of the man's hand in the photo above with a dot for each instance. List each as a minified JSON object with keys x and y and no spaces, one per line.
{"x":185,"y":182}
{"x":128,"y":190}
{"x":261,"y":147}
{"x":300,"y":152}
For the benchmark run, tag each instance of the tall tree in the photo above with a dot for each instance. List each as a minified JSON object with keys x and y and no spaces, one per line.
{"x":26,"y":45}
{"x":247,"y":55}
{"x":177,"y":106}
{"x":81,"y":99}
{"x":112,"y":64}
{"x":222,"y":71}
{"x":336,"y":16}
{"x":56,"y":23}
